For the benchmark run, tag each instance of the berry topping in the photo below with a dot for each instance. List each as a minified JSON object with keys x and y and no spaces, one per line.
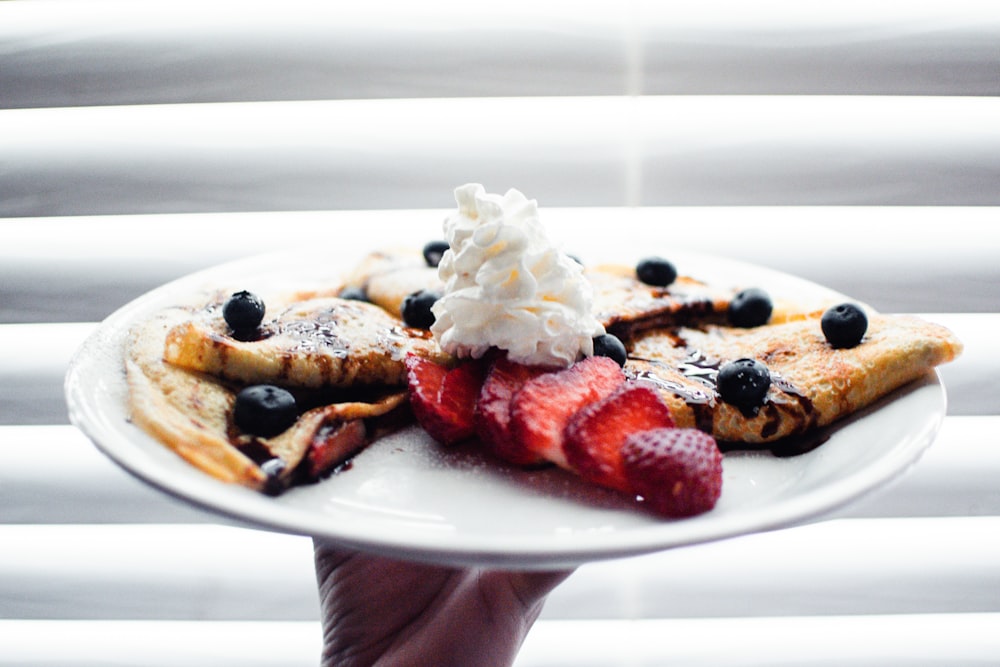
{"x":443,"y":400}
{"x":434,"y":251}
{"x":750,"y":308}
{"x":677,"y":471}
{"x":596,"y":434}
{"x":744,"y":383}
{"x":353,"y":294}
{"x":844,"y":325}
{"x":611,"y":346}
{"x":416,"y":309}
{"x":243,"y":312}
{"x":502,"y":382}
{"x":656,"y":271}
{"x":264,"y":410}
{"x":332,"y":444}
{"x":540,"y":410}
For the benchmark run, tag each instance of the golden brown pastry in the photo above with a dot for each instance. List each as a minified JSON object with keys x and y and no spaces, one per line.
{"x":812,"y":384}
{"x":191,"y":410}
{"x":318,"y":342}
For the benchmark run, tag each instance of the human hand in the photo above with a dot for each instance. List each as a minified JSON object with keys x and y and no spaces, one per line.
{"x":380,"y":611}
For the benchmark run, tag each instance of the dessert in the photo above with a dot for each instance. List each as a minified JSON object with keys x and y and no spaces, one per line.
{"x":633,"y":378}
{"x":811,"y":382}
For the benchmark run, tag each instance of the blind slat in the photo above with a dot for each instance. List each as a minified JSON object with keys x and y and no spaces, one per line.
{"x":843,"y":567}
{"x":571,"y":151}
{"x":151,"y":52}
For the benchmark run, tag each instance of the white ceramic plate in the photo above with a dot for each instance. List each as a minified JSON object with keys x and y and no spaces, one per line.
{"x":408,"y":497}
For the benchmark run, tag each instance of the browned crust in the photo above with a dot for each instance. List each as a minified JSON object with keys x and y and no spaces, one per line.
{"x":815,"y":384}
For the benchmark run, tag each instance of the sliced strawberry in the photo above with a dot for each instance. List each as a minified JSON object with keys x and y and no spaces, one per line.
{"x":504,"y":379}
{"x":443,"y":400}
{"x":596,"y":434}
{"x":540,"y":410}
{"x":333,"y":444}
{"x":677,"y":471}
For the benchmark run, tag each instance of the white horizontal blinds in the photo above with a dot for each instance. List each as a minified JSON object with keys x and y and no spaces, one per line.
{"x":704,"y":150}
{"x":739,"y":104}
{"x":815,"y":48}
{"x":67,"y":53}
{"x":116,"y":571}
{"x":955,"y":640}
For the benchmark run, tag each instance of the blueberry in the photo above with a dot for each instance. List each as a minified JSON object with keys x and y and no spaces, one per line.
{"x":353,"y":294}
{"x":750,"y":308}
{"x":656,"y":271}
{"x":416,"y":309}
{"x":264,"y":410}
{"x":609,"y":345}
{"x":243,"y":312}
{"x":744,"y":383}
{"x":434,"y":251}
{"x":844,"y":325}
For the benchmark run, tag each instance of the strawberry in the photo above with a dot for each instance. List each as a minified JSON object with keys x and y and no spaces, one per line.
{"x":677,"y":471}
{"x":333,"y":443}
{"x":443,"y":400}
{"x":596,"y":434}
{"x":540,"y":410}
{"x":504,"y":379}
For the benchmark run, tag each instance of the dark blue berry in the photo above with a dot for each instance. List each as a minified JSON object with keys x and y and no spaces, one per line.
{"x":750,"y":308}
{"x":844,"y":325}
{"x":656,"y":271}
{"x":609,"y":345}
{"x":744,"y":383}
{"x":353,"y":294}
{"x":243,"y":312}
{"x":434,"y":251}
{"x":264,"y":410}
{"x":416,"y":309}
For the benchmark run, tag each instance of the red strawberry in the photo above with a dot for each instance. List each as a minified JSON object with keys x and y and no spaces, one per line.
{"x":677,"y":471}
{"x":444,"y":400}
{"x":333,"y":443}
{"x":596,"y":434}
{"x":504,"y":379}
{"x":540,"y":410}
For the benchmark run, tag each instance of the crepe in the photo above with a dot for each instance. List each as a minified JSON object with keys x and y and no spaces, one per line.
{"x":191,"y":411}
{"x":343,"y":359}
{"x":316,"y":342}
{"x":388,"y":276}
{"x":812,"y":384}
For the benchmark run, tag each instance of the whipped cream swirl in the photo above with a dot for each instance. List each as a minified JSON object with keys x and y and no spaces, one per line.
{"x":508,"y":286}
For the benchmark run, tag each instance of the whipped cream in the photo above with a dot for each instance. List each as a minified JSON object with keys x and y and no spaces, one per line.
{"x":508,"y":286}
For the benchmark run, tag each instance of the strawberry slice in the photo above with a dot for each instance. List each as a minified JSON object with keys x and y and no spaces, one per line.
{"x":443,"y":399}
{"x":677,"y":471}
{"x":333,"y":444}
{"x":540,"y":410}
{"x":504,"y":379}
{"x":596,"y":434}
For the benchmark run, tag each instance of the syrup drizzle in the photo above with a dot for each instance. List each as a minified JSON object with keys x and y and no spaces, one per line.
{"x":704,"y":371}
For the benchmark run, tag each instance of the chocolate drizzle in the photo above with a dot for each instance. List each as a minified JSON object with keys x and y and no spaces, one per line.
{"x":702,"y":396}
{"x":272,"y":466}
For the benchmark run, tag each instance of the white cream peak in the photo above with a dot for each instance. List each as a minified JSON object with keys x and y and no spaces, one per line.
{"x":508,"y":286}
